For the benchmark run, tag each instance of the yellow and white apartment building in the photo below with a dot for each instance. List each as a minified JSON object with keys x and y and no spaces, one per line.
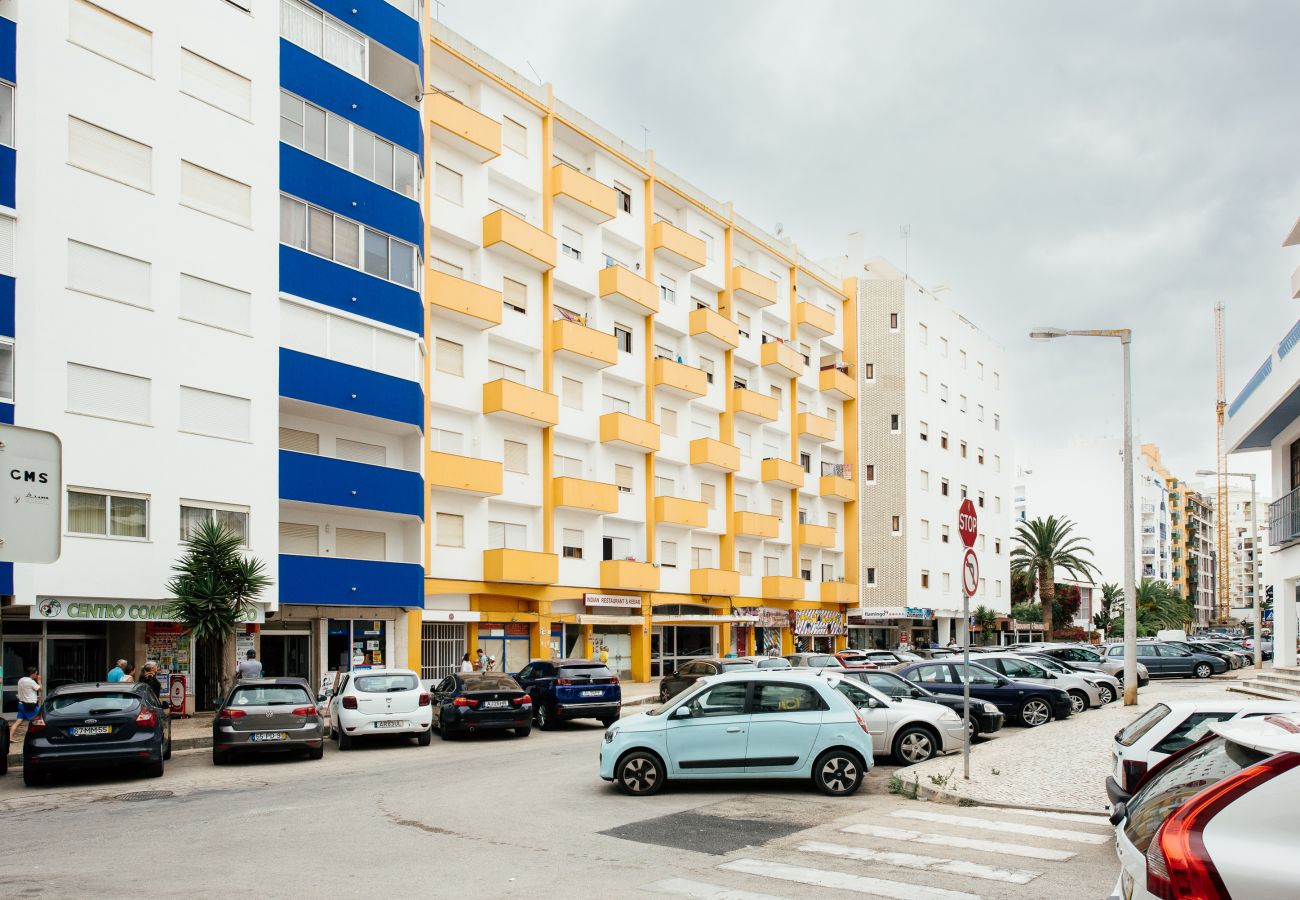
{"x":641,"y":413}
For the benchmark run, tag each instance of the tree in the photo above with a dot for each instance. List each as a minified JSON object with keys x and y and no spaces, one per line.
{"x":1044,"y":546}
{"x":986,"y":620}
{"x":212,"y":594}
{"x":1027,"y":612}
{"x":1104,"y":619}
{"x":1158,"y":607}
{"x":1065,"y":605}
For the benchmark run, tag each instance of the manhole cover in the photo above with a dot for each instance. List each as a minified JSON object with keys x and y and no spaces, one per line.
{"x":143,"y":795}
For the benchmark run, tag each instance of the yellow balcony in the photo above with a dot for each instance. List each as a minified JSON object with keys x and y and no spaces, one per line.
{"x":754,"y":405}
{"x":685,"y":250}
{"x":462,"y":301}
{"x":676,"y":511}
{"x":837,"y":383}
{"x":626,"y":575}
{"x":622,"y":430}
{"x":520,"y":566}
{"x":816,"y":321}
{"x":816,"y":428}
{"x":715,"y":582}
{"x":782,"y":358}
{"x":782,"y":472}
{"x":517,"y":240}
{"x":584,"y":345}
{"x":579,"y":493}
{"x":625,"y":287}
{"x":839,"y":488}
{"x":839,"y":592}
{"x":749,"y":285}
{"x":467,"y":130}
{"x":816,"y":536}
{"x":521,"y":403}
{"x":464,"y":474}
{"x":715,"y":454}
{"x":583,"y":194}
{"x":679,"y":378}
{"x":782,"y":587}
{"x":714,"y":328}
{"x":752,"y":524}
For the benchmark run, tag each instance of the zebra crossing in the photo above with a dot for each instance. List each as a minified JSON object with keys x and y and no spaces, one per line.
{"x":917,"y":851}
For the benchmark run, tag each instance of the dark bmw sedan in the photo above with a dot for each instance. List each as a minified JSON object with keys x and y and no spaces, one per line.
{"x":486,"y":701}
{"x":97,"y":724}
{"x":1029,"y":704}
{"x":986,"y":718}
{"x":689,"y":673}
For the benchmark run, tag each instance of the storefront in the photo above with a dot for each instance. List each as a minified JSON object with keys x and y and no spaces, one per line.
{"x":770,"y":629}
{"x":505,"y":644}
{"x":680,"y":633}
{"x":611,"y":619}
{"x":815,"y":630}
{"x":328,"y":640}
{"x":444,"y":641}
{"x":889,"y":628}
{"x":63,"y":652}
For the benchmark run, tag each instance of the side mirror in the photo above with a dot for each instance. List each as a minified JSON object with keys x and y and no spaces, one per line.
{"x":1051,"y":676}
{"x":873,"y":703}
{"x":320,"y":698}
{"x":682,"y":712}
{"x":916,"y":692}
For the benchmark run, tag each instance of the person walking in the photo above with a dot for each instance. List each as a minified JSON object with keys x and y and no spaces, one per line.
{"x":115,"y":674}
{"x":249,"y":667}
{"x":29,"y":701}
{"x":127,"y":676}
{"x":480,"y":661}
{"x":150,"y":677}
{"x":465,"y":664}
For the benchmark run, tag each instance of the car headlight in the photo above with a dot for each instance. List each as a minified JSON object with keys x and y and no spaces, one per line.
{"x":989,"y":707}
{"x":610,"y":733}
{"x":949,"y":716}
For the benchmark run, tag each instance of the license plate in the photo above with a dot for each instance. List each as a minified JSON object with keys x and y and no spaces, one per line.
{"x":495,"y":704}
{"x":593,"y":693}
{"x":261,"y":736}
{"x":1126,"y":885}
{"x":388,"y":723}
{"x":83,"y":730}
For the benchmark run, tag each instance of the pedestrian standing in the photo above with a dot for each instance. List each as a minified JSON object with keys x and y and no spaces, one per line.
{"x":127,"y":676}
{"x":465,"y":664}
{"x":249,"y":667}
{"x":29,"y":701}
{"x":115,"y":674}
{"x":480,"y":661}
{"x":150,"y":677}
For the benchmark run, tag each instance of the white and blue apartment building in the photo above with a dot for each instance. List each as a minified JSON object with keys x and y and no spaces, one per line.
{"x":210,"y":272}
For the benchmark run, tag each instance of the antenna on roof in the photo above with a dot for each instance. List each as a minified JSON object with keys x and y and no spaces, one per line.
{"x":535,"y":75}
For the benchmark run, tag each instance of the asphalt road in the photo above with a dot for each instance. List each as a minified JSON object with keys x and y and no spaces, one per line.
{"x":500,"y":816}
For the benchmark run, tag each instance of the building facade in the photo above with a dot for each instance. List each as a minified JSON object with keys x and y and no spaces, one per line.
{"x":1246,"y":557}
{"x":1190,"y":542}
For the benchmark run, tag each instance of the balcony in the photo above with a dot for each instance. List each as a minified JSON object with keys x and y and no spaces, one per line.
{"x":622,"y":430}
{"x":782,"y":359}
{"x":1148,"y":551}
{"x":782,"y":472}
{"x":686,"y":513}
{"x":583,"y":194}
{"x":517,"y":240}
{"x":464,"y":474}
{"x":467,"y":130}
{"x":752,"y":524}
{"x":815,"y":536}
{"x":755,"y":406}
{"x":679,"y":378}
{"x":683,"y":250}
{"x":353,"y":485}
{"x":814,"y":320}
{"x":746,"y":284}
{"x":1284,"y":520}
{"x":816,"y":428}
{"x":839,"y":592}
{"x":520,"y":566}
{"x":714,"y":454}
{"x":325,"y":382}
{"x":520,"y":403}
{"x":627,"y":575}
{"x":462,"y":301}
{"x":838,"y":488}
{"x":838,"y":383}
{"x":626,"y":288}
{"x":715,"y":582}
{"x":584,"y":345}
{"x":782,"y":587}
{"x":590,"y":496}
{"x":714,"y":328}
{"x":331,"y":581}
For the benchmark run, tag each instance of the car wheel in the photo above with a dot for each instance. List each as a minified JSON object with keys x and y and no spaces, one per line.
{"x":640,"y":774}
{"x":838,"y":773}
{"x":914,"y":745}
{"x":316,"y":752}
{"x":32,"y":778}
{"x":1034,"y":712}
{"x":972,"y":728}
{"x":446,"y":732}
{"x":425,"y":738}
{"x":153,"y":769}
{"x":524,"y":731}
{"x":664,"y":696}
{"x":1107,"y":695}
{"x":545,"y":720}
{"x":1078,"y":702}
{"x":345,"y":740}
{"x":1203,"y":670}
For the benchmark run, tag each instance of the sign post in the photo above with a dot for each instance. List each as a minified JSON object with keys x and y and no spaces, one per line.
{"x":968,"y":529}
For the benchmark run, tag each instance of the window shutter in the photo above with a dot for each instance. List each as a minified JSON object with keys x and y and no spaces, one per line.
{"x":358,"y":451}
{"x":571,"y":392}
{"x":496,"y":535}
{"x":103,"y":273}
{"x":516,"y":457}
{"x":708,"y":493}
{"x":213,"y":414}
{"x":108,"y":394}
{"x":623,"y":477}
{"x":451,"y":530}
{"x":299,"y":540}
{"x":449,"y":441}
{"x":572,"y":538}
{"x":667,"y":553}
{"x":668,"y":422}
{"x":514,"y":293}
{"x":303,"y":329}
{"x":778,"y":508}
{"x":396,"y":355}
{"x":216,"y":195}
{"x":745,"y":561}
{"x":215,"y":304}
{"x":6,"y":246}
{"x":449,"y":357}
{"x":353,"y":543}
{"x":110,"y":36}
{"x":351,"y":342}
{"x":299,"y":441}
{"x":216,"y":85}
{"x":665,"y":487}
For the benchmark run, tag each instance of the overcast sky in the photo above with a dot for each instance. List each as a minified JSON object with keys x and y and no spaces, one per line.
{"x":1089,"y":165}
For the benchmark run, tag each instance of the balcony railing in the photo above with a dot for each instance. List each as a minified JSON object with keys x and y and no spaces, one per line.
{"x":1284,"y":519}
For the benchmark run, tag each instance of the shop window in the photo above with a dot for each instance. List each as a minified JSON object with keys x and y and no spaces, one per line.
{"x":356,"y":642}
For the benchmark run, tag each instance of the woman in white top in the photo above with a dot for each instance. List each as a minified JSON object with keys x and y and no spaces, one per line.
{"x":465,"y":664}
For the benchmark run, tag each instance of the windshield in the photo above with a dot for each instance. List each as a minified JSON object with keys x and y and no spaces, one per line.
{"x":385,"y":684}
{"x":1128,"y":735}
{"x":700,"y":685}
{"x":490,"y":683}
{"x":733,"y":665}
{"x":889,"y":685}
{"x":777,"y":663}
{"x":858,"y":695}
{"x":273,"y":695}
{"x":91,"y":704}
{"x":593,"y":672}
{"x":818,"y":661}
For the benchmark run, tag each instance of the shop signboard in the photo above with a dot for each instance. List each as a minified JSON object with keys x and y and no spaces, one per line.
{"x":818,"y":623}
{"x":176,"y":691}
{"x":31,"y":527}
{"x":770,"y":617}
{"x":894,"y":612}
{"x":624,"y":601}
{"x":114,"y":611}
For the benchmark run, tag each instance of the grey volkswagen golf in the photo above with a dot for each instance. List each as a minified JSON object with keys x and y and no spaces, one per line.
{"x":268,"y":715}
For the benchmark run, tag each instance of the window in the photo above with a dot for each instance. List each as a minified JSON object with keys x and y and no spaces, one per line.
{"x":571,"y":543}
{"x":668,"y":554}
{"x":514,"y":136}
{"x":805,"y":569}
{"x":706,"y":365}
{"x":943,"y":440}
{"x":943,"y":487}
{"x":745,"y":441}
{"x":805,"y":460}
{"x":943,"y":346}
{"x":499,"y":370}
{"x":981,"y":500}
{"x":623,"y":198}
{"x":869,"y":371}
{"x":509,"y":535}
{"x":997,"y":588}
{"x":924,"y":383}
{"x":745,"y":562}
{"x":943,"y":393}
{"x":701,"y":558}
{"x":925,"y":480}
{"x":445,"y":441}
{"x":832,"y":520}
{"x":109,"y":154}
{"x":665,"y":487}
{"x":449,"y":357}
{"x":299,"y":540}
{"x":615,"y":404}
{"x":515,"y":456}
{"x":299,"y":441}
{"x":961,"y":402}
{"x":963,"y":492}
{"x":570,"y":242}
{"x":623,"y":335}
{"x":997,"y":422}
{"x":708,"y":245}
{"x":871,"y":577}
{"x":946,"y":582}
{"x":925,"y":578}
{"x":777,"y":508}
{"x":333,"y":237}
{"x":216,"y":85}
{"x":667,"y":289}
{"x":448,"y":184}
{"x":514,"y":295}
{"x":741,"y":502}
{"x":893,"y":424}
{"x":997,"y":504}
{"x":771,"y":565}
{"x":450,"y":530}
{"x":323,"y":36}
{"x":566,"y":466}
{"x":361,"y":451}
{"x":743,"y":321}
{"x":571,"y":392}
{"x":925,"y":529}
{"x":103,"y":273}
{"x":944,"y":534}
{"x":623,"y":478}
{"x":446,"y":268}
{"x":893,"y":323}
{"x":997,"y":545}
{"x":234,"y":518}
{"x":723,"y":700}
{"x":215,"y":194}
{"x":963,"y":449}
{"x":108,"y":395}
{"x":709,"y":494}
{"x":962,"y":356}
{"x":869,"y":472}
{"x":110,"y":36}
{"x":209,"y":303}
{"x":925,"y":431}
{"x":214,"y":414}
{"x":108,"y":515}
{"x":895,"y":524}
{"x":997,"y":463}
{"x":340,"y":142}
{"x":979,"y":455}
{"x":668,"y":421}
{"x":997,"y":381}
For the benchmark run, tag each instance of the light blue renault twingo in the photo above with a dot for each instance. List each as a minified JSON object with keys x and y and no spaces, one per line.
{"x":749,"y":724}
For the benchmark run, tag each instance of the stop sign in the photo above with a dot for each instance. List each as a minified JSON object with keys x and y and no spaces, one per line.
{"x":967,"y":523}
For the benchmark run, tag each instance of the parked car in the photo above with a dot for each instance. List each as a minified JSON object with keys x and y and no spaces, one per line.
{"x":985,"y":717}
{"x":744,"y":725}
{"x":889,"y":659}
{"x":268,"y":715}
{"x":936,"y":652}
{"x":1234,"y":659}
{"x":1242,"y":657}
{"x":908,"y":730}
{"x":81,"y":725}
{"x":768,"y":662}
{"x":1087,"y":657}
{"x":1029,"y":704}
{"x":854,"y":659}
{"x":1018,"y":667}
{"x":571,"y":689}
{"x":1169,"y":660}
{"x":1217,"y":819}
{"x":1108,"y":687}
{"x":688,"y":673}
{"x":380,"y":701}
{"x":1166,"y":728}
{"x":481,"y":701}
{"x":815,"y":661}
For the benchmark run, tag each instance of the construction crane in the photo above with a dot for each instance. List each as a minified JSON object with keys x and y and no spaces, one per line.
{"x":1221,"y":467}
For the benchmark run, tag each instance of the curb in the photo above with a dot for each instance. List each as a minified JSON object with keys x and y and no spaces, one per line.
{"x":934,"y":795}
{"x":178,"y":744}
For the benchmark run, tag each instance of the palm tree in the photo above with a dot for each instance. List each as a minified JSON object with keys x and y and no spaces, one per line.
{"x":1111,"y":593}
{"x":212,"y":594}
{"x":987,"y":620}
{"x":1046,"y":545}
{"x":1159,"y":606}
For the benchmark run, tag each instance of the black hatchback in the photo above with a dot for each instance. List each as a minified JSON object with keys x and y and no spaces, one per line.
{"x":481,"y":701}
{"x":689,"y":673}
{"x":82,"y":725}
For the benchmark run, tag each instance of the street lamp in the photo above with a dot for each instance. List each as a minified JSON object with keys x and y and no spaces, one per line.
{"x":1254,"y":545}
{"x":1046,"y":333}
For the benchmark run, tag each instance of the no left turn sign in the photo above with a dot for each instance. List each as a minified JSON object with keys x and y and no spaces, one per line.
{"x":970,"y":573}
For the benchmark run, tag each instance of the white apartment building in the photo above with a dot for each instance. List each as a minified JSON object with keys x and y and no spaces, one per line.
{"x":933,"y":423}
{"x":1245,"y":552}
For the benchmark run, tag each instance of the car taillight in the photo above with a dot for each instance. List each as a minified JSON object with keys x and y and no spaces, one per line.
{"x":36,"y":725}
{"x":605,"y":680}
{"x":424,"y":699}
{"x":565,"y":681}
{"x":232,"y":714}
{"x":1133,"y":772}
{"x":522,"y":701}
{"x":1178,"y":866}
{"x":349,"y":702}
{"x":465,"y":701}
{"x":862,"y":722}
{"x":304,"y":711}
{"x":147,"y":717}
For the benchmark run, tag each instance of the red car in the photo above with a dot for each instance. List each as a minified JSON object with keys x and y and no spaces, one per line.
{"x":855,"y":659}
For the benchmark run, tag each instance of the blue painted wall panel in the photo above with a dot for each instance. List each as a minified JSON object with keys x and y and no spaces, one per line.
{"x":380,"y":20}
{"x":8,"y":173}
{"x":340,"y":191}
{"x":329,"y":383}
{"x":6,"y":579}
{"x":8,"y":50}
{"x":340,"y":482}
{"x":325,"y":281}
{"x":7,"y":286}
{"x":329,"y":581}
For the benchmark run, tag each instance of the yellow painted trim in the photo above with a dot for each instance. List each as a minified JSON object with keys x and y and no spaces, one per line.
{"x":852,"y":535}
{"x":414,"y":634}
{"x":548,"y":333}
{"x":648,"y":207}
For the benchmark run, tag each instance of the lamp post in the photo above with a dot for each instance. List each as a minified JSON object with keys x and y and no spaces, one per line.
{"x":1254,"y":549}
{"x":1130,"y":561}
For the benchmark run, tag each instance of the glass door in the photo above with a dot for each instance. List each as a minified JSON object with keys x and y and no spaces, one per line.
{"x":286,"y":655}
{"x":73,"y":660}
{"x":18,"y":655}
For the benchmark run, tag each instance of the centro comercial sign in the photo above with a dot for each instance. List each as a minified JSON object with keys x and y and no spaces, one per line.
{"x":107,"y":611}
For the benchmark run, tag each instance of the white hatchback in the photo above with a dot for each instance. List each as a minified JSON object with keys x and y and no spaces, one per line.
{"x":909,"y":730}
{"x":380,"y":701}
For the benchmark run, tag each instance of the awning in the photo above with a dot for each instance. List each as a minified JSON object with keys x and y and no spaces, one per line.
{"x":692,"y":620}
{"x":584,"y":619}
